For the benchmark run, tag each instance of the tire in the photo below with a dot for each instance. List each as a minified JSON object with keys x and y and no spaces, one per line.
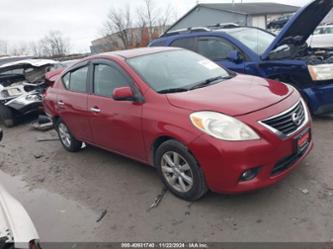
{"x":66,"y":138}
{"x":7,"y":116}
{"x":177,"y":174}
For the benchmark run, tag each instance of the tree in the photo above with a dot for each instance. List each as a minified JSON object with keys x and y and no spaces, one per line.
{"x":124,"y":30}
{"x":53,"y":44}
{"x":154,"y":20}
{"x":19,"y":49}
{"x":3,"y":47}
{"x":119,"y":22}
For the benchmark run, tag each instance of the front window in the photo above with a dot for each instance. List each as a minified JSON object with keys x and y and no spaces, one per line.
{"x":256,"y":39}
{"x":177,"y":69}
{"x":215,"y":48}
{"x":107,"y":78}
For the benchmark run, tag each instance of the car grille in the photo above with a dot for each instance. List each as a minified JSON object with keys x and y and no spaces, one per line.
{"x":288,"y":122}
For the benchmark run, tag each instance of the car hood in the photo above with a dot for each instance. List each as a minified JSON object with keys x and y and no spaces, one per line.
{"x":21,"y":64}
{"x":240,"y":95}
{"x":301,"y":25}
{"x":15,"y":223}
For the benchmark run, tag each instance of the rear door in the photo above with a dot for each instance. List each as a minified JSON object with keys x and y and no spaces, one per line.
{"x":116,"y":125}
{"x":72,"y":102}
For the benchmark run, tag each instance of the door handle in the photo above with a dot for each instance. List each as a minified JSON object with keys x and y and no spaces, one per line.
{"x":95,"y":109}
{"x":60,"y":102}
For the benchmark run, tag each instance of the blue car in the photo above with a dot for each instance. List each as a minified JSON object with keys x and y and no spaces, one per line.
{"x":285,"y":57}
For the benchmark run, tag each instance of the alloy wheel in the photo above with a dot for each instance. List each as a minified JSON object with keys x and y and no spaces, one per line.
{"x":64,"y":135}
{"x":177,"y":171}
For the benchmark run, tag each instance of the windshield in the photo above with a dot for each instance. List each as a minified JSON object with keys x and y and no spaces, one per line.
{"x":256,"y":39}
{"x":175,"y":69}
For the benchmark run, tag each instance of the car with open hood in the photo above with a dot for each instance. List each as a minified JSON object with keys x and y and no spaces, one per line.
{"x":22,"y":83}
{"x":285,"y":57}
{"x":201,"y":126}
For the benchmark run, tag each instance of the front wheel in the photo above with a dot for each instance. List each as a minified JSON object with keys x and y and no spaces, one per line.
{"x":69,"y":142}
{"x":7,"y":116}
{"x":179,"y":171}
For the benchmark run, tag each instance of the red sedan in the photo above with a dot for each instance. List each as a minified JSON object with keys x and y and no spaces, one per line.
{"x":201,"y":126}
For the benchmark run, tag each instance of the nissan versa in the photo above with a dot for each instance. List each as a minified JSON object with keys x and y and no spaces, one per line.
{"x":285,"y":57}
{"x":200,"y":125}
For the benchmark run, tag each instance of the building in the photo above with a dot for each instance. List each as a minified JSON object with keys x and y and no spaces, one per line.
{"x":246,"y":14}
{"x":137,"y":37}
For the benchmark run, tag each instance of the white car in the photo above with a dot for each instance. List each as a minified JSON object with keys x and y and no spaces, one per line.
{"x":322,"y":38}
{"x":16,"y":228}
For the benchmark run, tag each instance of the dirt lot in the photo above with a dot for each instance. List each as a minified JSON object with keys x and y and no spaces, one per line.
{"x":66,"y":194}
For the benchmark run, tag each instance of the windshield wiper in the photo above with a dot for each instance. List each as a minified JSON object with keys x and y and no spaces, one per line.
{"x":209,"y":81}
{"x":173,"y":90}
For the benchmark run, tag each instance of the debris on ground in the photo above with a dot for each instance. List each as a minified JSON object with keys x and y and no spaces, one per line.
{"x":158,"y":199}
{"x":44,"y":123}
{"x":37,"y":156}
{"x":104,"y":212}
{"x":305,"y":191}
{"x":47,"y":139}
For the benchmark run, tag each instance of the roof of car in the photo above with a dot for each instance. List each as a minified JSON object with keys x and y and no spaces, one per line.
{"x":130,"y":53}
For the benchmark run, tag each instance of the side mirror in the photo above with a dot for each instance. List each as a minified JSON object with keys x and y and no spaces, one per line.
{"x":235,"y":56}
{"x":123,"y":94}
{"x":280,"y":52}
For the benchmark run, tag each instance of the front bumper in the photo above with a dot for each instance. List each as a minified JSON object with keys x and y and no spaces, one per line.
{"x":320,"y":98}
{"x":223,"y":162}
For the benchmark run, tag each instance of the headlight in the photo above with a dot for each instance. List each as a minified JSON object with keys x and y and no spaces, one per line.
{"x":321,"y":72}
{"x":222,"y":126}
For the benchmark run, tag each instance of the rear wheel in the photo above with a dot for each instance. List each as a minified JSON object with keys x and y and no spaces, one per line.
{"x":69,"y":142}
{"x":7,"y":116}
{"x":179,"y":171}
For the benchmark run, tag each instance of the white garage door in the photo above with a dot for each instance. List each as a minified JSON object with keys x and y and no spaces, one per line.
{"x":259,"y":21}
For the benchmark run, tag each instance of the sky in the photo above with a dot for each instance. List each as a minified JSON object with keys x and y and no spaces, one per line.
{"x":81,"y":21}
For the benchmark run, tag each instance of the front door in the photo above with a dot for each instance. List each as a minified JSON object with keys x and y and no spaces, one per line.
{"x":116,"y":125}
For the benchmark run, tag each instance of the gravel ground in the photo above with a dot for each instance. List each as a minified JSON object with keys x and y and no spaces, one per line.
{"x":99,"y":196}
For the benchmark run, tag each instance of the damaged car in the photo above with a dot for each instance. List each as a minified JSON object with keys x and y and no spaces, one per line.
{"x":285,"y":57}
{"x":21,"y":86}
